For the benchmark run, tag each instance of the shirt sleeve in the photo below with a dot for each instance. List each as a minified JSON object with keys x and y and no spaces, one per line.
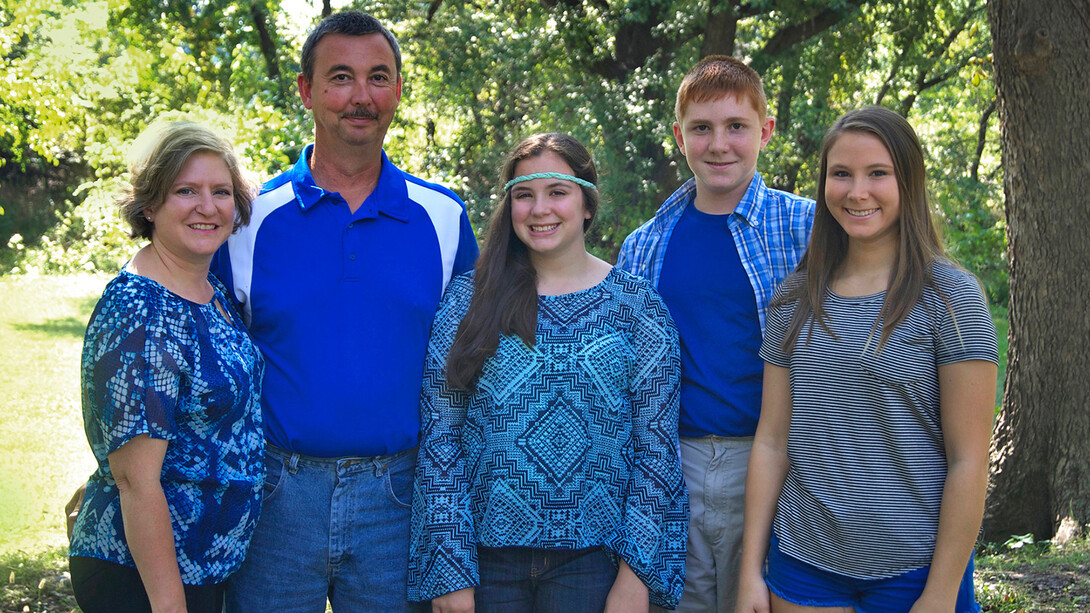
{"x":132,"y":377}
{"x":443,"y":542}
{"x":466,"y":257}
{"x":966,"y":330}
{"x":776,"y":323}
{"x":627,"y":254}
{"x":653,"y":536}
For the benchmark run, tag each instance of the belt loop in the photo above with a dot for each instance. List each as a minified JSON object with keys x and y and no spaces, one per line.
{"x":293,"y":463}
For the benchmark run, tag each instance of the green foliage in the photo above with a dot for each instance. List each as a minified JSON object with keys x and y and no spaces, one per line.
{"x":90,"y":74}
{"x":36,"y":582}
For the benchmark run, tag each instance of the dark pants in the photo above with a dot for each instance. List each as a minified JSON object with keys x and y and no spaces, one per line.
{"x":523,"y":580}
{"x":106,"y":587}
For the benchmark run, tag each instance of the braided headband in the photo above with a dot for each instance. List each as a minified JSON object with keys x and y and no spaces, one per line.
{"x":549,"y":175}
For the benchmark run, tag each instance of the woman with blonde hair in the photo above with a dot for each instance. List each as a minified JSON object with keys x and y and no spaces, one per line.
{"x":171,"y":382}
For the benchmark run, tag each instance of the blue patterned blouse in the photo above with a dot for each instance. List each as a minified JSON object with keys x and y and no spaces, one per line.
{"x":157,"y":364}
{"x":568,"y":444}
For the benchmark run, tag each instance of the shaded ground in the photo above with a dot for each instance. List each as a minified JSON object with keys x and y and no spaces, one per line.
{"x":1037,"y":578}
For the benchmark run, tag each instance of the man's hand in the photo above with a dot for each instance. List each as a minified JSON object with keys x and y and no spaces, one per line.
{"x":71,"y":510}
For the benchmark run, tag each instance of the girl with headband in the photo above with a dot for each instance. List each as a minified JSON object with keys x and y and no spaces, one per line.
{"x":548,"y":475}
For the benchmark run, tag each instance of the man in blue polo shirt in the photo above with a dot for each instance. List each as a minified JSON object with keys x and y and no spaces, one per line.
{"x":338,"y":276}
{"x":716,"y":250}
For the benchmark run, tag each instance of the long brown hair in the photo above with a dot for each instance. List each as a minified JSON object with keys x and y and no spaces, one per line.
{"x":920,"y":244}
{"x":505,"y":293}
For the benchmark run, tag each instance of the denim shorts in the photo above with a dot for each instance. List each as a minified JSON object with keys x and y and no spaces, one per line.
{"x":335,"y":528}
{"x":803,"y":584}
{"x":525,"y":579}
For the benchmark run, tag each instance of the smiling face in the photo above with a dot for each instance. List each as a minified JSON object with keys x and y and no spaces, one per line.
{"x":548,"y":215}
{"x":198,"y":213}
{"x":861,"y":190}
{"x":355,"y":90}
{"x":721,"y":140}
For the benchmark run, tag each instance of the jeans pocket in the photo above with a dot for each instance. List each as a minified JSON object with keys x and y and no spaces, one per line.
{"x":398,"y":479}
{"x":274,"y":476}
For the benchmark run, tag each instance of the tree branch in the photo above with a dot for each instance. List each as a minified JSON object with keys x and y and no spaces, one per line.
{"x":799,"y":32}
{"x":720,"y":31}
{"x":981,"y":137}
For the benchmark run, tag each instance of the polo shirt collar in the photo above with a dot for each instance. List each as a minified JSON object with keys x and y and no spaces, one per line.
{"x":390,"y":196}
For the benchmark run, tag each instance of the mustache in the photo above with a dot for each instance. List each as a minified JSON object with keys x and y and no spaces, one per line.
{"x":360,"y":113}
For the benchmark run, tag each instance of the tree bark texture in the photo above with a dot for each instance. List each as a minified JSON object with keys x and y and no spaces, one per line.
{"x":1041,"y":445}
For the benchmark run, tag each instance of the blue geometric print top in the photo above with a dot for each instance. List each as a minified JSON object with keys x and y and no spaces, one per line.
{"x":157,"y":364}
{"x":568,"y":444}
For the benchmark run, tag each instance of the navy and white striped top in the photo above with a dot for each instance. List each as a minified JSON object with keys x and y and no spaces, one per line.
{"x":868,"y":464}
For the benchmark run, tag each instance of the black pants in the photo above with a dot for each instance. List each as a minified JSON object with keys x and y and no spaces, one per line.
{"x":106,"y":587}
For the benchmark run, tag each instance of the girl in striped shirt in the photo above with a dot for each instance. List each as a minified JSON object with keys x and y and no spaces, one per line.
{"x":867,"y":478}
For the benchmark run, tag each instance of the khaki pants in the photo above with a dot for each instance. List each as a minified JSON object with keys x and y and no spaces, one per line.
{"x":715,"y":472}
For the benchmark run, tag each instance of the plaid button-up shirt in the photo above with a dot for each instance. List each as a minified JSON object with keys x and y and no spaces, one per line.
{"x":771,"y":229}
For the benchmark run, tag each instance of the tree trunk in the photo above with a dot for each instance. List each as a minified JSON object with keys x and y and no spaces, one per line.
{"x":1041,"y":446}
{"x":266,"y":37}
{"x":721,"y":30}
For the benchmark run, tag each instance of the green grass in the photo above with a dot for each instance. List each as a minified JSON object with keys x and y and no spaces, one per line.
{"x":1035,"y":577}
{"x":43,"y":451}
{"x":44,"y":456}
{"x":36,"y":583}
{"x":1002,"y":325}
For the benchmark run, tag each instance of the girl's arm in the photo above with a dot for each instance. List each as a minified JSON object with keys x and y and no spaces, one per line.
{"x":655,"y":515}
{"x":442,"y":542}
{"x":768,"y":465}
{"x":628,"y":594}
{"x":137,"y":468}
{"x":967,"y":392}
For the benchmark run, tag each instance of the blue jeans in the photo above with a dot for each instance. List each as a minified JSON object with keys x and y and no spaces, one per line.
{"x":528,"y":580}
{"x":335,"y":528}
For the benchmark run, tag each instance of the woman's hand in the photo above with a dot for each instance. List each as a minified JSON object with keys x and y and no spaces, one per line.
{"x":753,"y":594}
{"x":628,"y":594}
{"x":460,"y":601}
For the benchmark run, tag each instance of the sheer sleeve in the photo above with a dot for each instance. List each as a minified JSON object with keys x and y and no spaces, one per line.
{"x":653,"y":537}
{"x":443,"y":544}
{"x":131,"y":372}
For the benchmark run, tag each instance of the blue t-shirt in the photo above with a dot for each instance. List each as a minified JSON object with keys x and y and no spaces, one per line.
{"x":571,"y":443}
{"x":155,"y":363}
{"x":341,"y":304}
{"x":712,"y":302}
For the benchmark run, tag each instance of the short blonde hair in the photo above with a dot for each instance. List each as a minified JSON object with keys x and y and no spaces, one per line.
{"x":155,"y":170}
